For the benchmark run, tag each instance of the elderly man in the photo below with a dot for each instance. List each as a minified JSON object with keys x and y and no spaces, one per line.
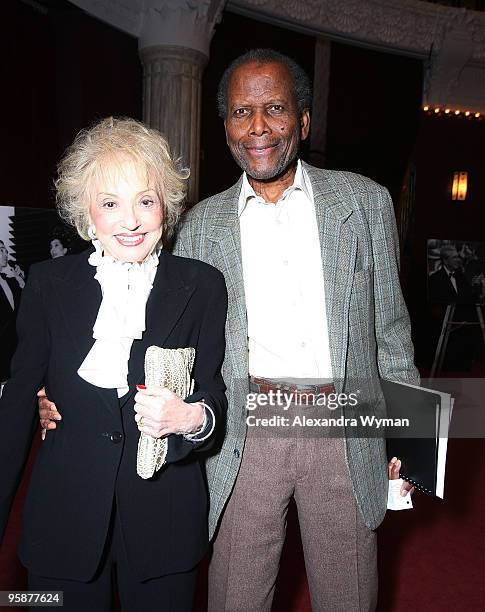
{"x":310,"y":262}
{"x":448,"y":285}
{"x":11,"y":284}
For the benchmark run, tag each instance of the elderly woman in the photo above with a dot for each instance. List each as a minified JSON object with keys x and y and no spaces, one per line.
{"x":84,"y":325}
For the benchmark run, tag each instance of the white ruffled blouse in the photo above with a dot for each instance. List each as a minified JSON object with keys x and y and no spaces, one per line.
{"x":121,"y":318}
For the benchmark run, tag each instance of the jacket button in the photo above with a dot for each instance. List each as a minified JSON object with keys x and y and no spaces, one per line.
{"x":237,"y":453}
{"x":115,"y":437}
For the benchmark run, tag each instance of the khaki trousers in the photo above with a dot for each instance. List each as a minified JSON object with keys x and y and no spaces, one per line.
{"x":339,"y":549}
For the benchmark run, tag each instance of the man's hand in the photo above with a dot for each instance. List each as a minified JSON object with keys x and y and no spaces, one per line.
{"x":159,"y":412}
{"x":12,"y":270}
{"x":393,"y":471}
{"x":48,"y":414}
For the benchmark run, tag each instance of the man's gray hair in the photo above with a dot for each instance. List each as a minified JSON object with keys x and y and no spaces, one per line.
{"x":301,"y":81}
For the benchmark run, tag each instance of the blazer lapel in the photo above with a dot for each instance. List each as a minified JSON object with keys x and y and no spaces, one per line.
{"x":79,"y":297}
{"x":166,"y":304}
{"x":339,"y":249}
{"x":225,"y":236}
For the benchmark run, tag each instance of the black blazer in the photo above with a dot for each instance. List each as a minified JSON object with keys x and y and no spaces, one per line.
{"x":89,"y":462}
{"x":441,"y":290}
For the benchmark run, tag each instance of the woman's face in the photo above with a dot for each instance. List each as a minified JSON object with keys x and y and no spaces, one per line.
{"x":126,"y":212}
{"x":57,"y":250}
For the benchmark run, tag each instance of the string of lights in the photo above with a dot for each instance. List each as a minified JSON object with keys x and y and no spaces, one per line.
{"x":439,"y":111}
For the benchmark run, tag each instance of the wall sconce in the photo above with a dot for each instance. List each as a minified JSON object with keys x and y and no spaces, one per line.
{"x":460,"y":185}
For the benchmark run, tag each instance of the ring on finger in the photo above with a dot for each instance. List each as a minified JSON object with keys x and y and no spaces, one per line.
{"x":140,"y":422}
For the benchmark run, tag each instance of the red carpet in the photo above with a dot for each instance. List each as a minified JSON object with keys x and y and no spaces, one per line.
{"x":431,"y":559}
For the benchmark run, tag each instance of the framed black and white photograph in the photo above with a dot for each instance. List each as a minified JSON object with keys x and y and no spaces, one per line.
{"x":456,"y":272}
{"x":27,"y":235}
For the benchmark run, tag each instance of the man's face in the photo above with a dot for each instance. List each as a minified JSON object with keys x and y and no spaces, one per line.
{"x":3,"y":255}
{"x":263,"y":125}
{"x":452,"y":260}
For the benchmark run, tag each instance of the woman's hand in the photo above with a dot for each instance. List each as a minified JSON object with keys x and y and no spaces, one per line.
{"x":159,"y":412}
{"x":48,"y":414}
{"x":393,"y":468}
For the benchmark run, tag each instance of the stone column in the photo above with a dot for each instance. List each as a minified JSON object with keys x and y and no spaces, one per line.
{"x":174,"y":49}
{"x":171,"y":102}
{"x":321,"y":84}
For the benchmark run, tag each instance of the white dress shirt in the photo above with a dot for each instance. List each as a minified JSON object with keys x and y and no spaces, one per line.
{"x":283,"y":282}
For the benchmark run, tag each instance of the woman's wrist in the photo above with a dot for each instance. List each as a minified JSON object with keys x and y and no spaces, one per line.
{"x":198,"y":420}
{"x":207,"y":427}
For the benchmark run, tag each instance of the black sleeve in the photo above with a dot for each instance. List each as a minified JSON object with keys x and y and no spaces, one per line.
{"x":209,"y":355}
{"x":18,"y":404}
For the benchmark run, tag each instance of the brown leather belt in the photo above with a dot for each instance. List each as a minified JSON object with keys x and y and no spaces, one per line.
{"x":267,"y":384}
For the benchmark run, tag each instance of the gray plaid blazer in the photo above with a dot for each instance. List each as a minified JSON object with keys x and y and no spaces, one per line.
{"x":369,"y":329}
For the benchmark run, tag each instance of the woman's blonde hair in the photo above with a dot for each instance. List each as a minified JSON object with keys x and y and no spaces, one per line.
{"x":116,"y":139}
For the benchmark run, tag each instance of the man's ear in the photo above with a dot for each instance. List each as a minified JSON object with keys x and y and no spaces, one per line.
{"x":304,"y":124}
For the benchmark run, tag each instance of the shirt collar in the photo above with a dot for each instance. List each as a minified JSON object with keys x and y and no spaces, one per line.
{"x":301,"y":182}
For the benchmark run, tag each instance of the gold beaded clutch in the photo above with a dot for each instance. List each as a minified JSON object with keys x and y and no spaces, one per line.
{"x":169,"y":368}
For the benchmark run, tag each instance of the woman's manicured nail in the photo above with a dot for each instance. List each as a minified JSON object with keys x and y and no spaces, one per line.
{"x":139,"y":387}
